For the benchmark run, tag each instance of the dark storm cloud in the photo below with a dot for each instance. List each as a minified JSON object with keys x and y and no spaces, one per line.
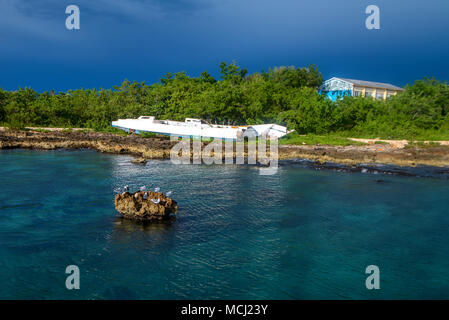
{"x":144,"y":39}
{"x":50,"y":8}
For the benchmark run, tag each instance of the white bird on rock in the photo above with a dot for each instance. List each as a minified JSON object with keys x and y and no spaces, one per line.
{"x":157,"y":189}
{"x":145,"y":195}
{"x":126,"y":188}
{"x":156,"y":201}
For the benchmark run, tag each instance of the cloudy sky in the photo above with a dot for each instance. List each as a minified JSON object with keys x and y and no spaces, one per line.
{"x":145,"y":39}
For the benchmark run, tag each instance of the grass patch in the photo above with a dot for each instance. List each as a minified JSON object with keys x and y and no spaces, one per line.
{"x":111,"y":130}
{"x":148,"y":134}
{"x":421,"y":144}
{"x":312,"y":139}
{"x":41,"y":130}
{"x":404,"y":134}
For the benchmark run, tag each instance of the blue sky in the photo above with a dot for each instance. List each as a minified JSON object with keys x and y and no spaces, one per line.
{"x":144,"y":39}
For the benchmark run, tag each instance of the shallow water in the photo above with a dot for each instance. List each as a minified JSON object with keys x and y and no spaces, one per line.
{"x":300,"y":234}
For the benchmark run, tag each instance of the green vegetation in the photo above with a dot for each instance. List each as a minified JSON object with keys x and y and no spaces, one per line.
{"x":422,"y":144}
{"x":418,"y":113}
{"x":284,"y":95}
{"x":151,"y":135}
{"x":41,"y":130}
{"x":313,"y":139}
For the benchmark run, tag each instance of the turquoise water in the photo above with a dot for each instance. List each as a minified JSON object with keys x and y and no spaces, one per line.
{"x":300,"y":234}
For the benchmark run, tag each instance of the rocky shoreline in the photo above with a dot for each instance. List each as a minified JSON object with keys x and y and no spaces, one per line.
{"x":159,"y":148}
{"x":149,"y":148}
{"x":369,"y":154}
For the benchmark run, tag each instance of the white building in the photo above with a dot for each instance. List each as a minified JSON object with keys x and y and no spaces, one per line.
{"x":336,"y":88}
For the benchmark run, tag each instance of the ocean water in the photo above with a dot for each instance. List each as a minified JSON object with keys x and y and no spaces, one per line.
{"x":299,"y":234}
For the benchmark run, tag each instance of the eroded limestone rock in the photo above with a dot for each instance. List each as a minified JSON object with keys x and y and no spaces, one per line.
{"x":141,"y":161}
{"x":145,"y":206}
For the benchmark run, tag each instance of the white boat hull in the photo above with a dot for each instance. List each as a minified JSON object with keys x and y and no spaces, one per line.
{"x":194,"y":128}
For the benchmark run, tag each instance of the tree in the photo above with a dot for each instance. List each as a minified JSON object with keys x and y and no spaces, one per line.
{"x":3,"y":102}
{"x":206,"y":77}
{"x":232,"y":72}
{"x":310,"y":112}
{"x":296,"y":78}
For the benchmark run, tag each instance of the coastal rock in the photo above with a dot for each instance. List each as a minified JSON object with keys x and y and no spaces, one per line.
{"x":139,"y":161}
{"x":155,"y":206}
{"x":148,"y":148}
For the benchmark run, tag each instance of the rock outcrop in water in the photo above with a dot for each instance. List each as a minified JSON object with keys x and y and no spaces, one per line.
{"x":145,"y":206}
{"x":141,"y":161}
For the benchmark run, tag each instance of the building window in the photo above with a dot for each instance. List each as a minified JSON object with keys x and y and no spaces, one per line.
{"x":390,"y":94}
{"x":368,"y":94}
{"x":357,"y":93}
{"x":379,"y":96}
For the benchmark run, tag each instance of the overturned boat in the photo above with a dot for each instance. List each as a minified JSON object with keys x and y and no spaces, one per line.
{"x":199,"y":128}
